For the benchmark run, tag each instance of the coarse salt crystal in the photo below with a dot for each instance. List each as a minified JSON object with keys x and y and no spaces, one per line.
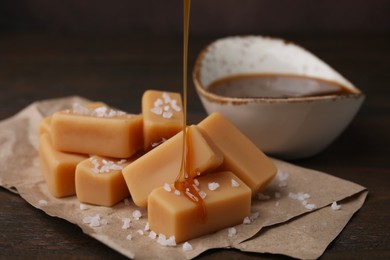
{"x":235,"y":183}
{"x":137,"y":214}
{"x":167,"y":114}
{"x":232,"y":231}
{"x":83,"y":206}
{"x":156,"y":110}
{"x":247,"y":221}
{"x":94,"y":221}
{"x":146,"y":228}
{"x":177,"y":192}
{"x":187,"y":246}
{"x":202,"y":194}
{"x":196,"y":182}
{"x":310,"y":206}
{"x":335,"y":206}
{"x":162,"y":240}
{"x":141,"y":232}
{"x":152,"y":235}
{"x":277,"y":204}
{"x":129,"y":237}
{"x":42,"y":202}
{"x":213,"y":185}
{"x":126,"y":223}
{"x":167,"y":187}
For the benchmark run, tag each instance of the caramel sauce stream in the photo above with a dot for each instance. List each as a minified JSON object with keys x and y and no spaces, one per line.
{"x":184,"y":182}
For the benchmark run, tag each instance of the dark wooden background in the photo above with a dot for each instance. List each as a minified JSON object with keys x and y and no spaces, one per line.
{"x":115,"y":50}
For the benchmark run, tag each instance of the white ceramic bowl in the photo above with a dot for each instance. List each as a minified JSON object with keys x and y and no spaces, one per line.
{"x":288,"y":128}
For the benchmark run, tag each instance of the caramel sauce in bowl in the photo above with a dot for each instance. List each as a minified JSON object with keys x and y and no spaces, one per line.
{"x":287,"y":101}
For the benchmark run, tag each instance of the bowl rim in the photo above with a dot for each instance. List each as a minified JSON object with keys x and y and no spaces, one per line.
{"x":357,"y":93}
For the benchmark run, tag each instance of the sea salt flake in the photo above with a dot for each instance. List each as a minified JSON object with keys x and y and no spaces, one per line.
{"x":232,"y":231}
{"x":213,"y":185}
{"x":126,"y":223}
{"x":202,"y":194}
{"x":156,"y":110}
{"x":335,"y":206}
{"x":235,"y":183}
{"x":83,"y":206}
{"x":146,"y":228}
{"x":162,"y":240}
{"x":167,"y":114}
{"x":310,"y":206}
{"x":152,"y":235}
{"x":187,"y":246}
{"x":42,"y":202}
{"x":177,"y":192}
{"x":167,"y":187}
{"x":277,"y":204}
{"x":137,"y":214}
{"x":129,"y":237}
{"x":166,"y":97}
{"x":196,"y":182}
{"x":141,"y":232}
{"x":158,"y":102}
{"x":247,"y":221}
{"x":94,"y":221}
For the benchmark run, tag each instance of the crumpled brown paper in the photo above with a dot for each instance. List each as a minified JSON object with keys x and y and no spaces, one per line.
{"x":294,"y":213}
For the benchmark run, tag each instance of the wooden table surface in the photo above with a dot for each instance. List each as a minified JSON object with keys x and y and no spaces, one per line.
{"x":118,"y":69}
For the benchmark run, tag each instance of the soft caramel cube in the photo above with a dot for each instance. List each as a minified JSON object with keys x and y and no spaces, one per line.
{"x":101,"y":130}
{"x":99,"y":181}
{"x":241,"y":156}
{"x":162,"y":165}
{"x":58,"y":168}
{"x":176,"y":215}
{"x":163,"y":116}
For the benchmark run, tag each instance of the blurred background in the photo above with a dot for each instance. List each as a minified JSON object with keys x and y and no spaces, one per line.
{"x":55,"y":48}
{"x":161,"y":17}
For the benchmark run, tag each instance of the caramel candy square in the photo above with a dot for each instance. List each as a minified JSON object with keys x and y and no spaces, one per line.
{"x":175,"y":215}
{"x":241,"y":156}
{"x":163,"y":116}
{"x":58,"y":168}
{"x":101,"y":130}
{"x":99,"y":181}
{"x":162,"y":165}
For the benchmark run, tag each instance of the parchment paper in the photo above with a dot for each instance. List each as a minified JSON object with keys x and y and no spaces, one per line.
{"x":294,"y":213}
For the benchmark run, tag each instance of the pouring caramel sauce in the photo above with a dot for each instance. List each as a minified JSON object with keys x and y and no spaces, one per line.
{"x":275,"y":86}
{"x":184,"y":183}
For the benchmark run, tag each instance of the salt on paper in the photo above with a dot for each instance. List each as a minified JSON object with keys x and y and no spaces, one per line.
{"x":83,"y":206}
{"x":94,"y":221}
{"x":126,"y":223}
{"x":137,"y":214}
{"x":232,"y":231}
{"x":42,"y":202}
{"x":152,"y":235}
{"x":335,"y":206}
{"x":164,"y":241}
{"x":187,"y":246}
